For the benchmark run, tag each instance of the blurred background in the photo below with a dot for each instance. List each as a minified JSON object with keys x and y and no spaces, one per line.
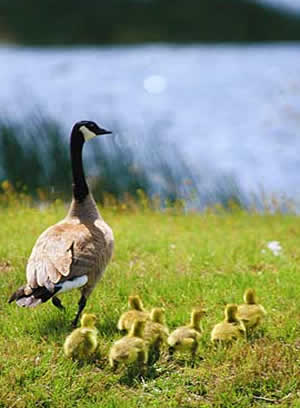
{"x":203,"y":98}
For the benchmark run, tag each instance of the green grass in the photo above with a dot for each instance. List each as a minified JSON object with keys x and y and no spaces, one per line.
{"x":171,"y":260}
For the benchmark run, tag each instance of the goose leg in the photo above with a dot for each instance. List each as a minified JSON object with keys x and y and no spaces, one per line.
{"x":81,"y":305}
{"x":56,"y":302}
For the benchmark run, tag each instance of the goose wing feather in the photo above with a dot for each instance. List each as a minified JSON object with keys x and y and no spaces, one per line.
{"x":64,"y":251}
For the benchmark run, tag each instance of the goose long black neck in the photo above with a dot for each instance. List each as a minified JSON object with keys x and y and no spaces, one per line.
{"x":80,"y":187}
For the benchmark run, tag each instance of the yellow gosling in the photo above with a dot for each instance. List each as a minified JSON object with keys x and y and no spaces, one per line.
{"x":186,"y":338}
{"x":137,"y":312}
{"x":82,"y":342}
{"x":156,"y":332}
{"x":231,"y":328}
{"x":250,"y":312}
{"x":131,"y":348}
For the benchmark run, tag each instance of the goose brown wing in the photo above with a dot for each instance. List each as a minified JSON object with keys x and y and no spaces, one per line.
{"x":62,"y":252}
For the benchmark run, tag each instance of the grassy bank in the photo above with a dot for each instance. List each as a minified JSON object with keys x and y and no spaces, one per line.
{"x":177,"y":261}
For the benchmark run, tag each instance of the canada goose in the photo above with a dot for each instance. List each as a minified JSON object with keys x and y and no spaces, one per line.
{"x":82,"y":342}
{"x":131,"y":348}
{"x":250,"y":312}
{"x":137,"y":312}
{"x":74,"y":252}
{"x":156,"y":332}
{"x":186,"y":338}
{"x":231,"y":328}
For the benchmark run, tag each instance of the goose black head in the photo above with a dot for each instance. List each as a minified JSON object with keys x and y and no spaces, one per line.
{"x":89,"y":129}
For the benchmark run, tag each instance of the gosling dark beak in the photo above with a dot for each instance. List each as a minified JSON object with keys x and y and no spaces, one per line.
{"x":103,"y":132}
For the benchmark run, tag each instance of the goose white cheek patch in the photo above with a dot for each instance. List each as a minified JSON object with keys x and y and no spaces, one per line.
{"x":87,"y":134}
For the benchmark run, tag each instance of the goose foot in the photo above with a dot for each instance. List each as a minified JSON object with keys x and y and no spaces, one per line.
{"x":57,"y":303}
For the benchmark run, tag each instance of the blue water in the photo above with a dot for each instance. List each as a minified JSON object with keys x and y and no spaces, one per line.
{"x":231,"y":110}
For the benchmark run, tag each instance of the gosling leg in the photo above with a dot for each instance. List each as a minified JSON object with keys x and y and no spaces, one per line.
{"x":171,"y":351}
{"x":114,"y":364}
{"x":193,"y":352}
{"x":142,"y":361}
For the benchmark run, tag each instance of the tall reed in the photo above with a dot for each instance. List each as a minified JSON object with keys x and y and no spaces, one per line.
{"x":34,"y":155}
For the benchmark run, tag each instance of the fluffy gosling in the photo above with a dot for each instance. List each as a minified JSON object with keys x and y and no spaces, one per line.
{"x":156,"y":332}
{"x":231,"y":328}
{"x":250,"y":312}
{"x":82,"y":342}
{"x":137,"y":312}
{"x":131,"y":348}
{"x":186,"y":338}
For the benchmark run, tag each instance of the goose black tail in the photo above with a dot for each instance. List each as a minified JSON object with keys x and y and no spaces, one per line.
{"x":39,"y":295}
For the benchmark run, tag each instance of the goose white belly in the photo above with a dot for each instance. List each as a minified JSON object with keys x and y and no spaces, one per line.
{"x":72,"y":284}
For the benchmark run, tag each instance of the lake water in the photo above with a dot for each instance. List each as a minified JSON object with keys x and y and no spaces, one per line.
{"x":230,"y":110}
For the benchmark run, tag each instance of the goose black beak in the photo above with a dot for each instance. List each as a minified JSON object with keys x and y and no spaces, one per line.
{"x":101,"y":131}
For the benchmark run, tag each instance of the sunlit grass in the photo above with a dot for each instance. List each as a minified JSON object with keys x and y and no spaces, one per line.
{"x":172,"y":260}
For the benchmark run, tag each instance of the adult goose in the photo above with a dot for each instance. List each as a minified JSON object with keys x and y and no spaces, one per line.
{"x":74,"y":252}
